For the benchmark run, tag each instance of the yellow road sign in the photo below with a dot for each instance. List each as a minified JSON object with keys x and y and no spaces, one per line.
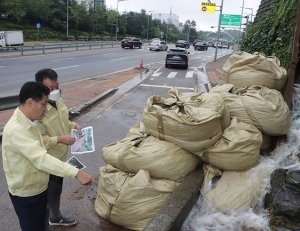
{"x":207,"y":7}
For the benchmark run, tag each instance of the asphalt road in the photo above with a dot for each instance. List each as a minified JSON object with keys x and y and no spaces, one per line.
{"x":72,"y":66}
{"x":111,"y":119}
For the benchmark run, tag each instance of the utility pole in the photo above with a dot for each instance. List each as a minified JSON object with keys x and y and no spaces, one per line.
{"x":218,"y":36}
{"x":240,"y":25}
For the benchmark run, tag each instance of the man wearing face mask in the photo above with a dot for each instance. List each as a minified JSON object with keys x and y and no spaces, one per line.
{"x":55,"y":128}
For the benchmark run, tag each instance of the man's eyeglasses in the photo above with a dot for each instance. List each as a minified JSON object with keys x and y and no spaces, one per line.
{"x":43,"y":104}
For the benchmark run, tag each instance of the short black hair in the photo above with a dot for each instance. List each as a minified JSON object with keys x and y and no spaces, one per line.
{"x":45,"y":73}
{"x":34,"y":90}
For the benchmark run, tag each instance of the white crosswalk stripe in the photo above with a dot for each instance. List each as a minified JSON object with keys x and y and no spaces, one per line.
{"x":156,"y":74}
{"x":172,"y":75}
{"x":189,"y":74}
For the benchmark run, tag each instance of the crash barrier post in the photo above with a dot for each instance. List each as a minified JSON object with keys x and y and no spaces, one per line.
{"x":83,"y":38}
{"x":70,"y":38}
{"x":95,"y":38}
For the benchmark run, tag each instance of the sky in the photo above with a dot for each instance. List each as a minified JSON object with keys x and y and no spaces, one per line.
{"x":189,"y":9}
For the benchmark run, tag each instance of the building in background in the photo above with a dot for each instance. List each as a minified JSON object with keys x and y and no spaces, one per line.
{"x":168,"y":18}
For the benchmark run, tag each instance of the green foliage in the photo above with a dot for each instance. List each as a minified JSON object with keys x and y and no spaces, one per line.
{"x":273,"y":33}
{"x":86,"y":18}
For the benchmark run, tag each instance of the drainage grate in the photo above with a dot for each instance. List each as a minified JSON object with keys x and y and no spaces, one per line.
{"x":128,"y":113}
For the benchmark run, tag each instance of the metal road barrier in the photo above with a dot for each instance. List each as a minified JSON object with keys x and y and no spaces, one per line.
{"x":8,"y":102}
{"x":59,"y":46}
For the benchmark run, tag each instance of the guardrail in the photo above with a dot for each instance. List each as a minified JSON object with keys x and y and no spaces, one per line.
{"x":8,"y":102}
{"x":61,"y":46}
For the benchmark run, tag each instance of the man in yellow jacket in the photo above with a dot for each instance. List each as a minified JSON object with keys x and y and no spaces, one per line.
{"x":26,"y":162}
{"x":55,"y":128}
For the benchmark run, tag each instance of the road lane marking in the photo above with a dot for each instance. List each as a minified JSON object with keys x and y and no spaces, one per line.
{"x":118,"y":59}
{"x":65,"y":67}
{"x":156,"y":74}
{"x":165,"y":86}
{"x":109,"y":54}
{"x":189,"y":74}
{"x":172,"y":75}
{"x":1,"y":66}
{"x":54,"y":60}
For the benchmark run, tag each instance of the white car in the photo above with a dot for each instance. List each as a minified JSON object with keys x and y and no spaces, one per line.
{"x":158,"y":45}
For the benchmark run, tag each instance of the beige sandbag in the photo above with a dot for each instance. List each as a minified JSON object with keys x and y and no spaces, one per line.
{"x":163,"y":160}
{"x":263,"y":107}
{"x":194,"y":121}
{"x":130,"y":200}
{"x":237,"y":150}
{"x":239,"y":191}
{"x":209,"y":173}
{"x":242,"y":68}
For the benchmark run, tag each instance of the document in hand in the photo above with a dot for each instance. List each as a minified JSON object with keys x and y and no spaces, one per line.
{"x":75,"y":162}
{"x":84,"y":141}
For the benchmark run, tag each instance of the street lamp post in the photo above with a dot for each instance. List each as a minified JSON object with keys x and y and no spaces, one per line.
{"x":251,"y":11}
{"x":67,"y":18}
{"x":117,"y":21}
{"x":218,"y":36}
{"x":148,"y":23}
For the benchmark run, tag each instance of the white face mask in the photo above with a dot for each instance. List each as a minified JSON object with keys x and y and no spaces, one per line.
{"x":54,"y":95}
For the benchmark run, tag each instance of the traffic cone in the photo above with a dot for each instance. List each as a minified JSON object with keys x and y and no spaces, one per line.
{"x":141,"y":64}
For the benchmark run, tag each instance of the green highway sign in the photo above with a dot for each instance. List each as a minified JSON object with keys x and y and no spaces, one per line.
{"x":230,"y":20}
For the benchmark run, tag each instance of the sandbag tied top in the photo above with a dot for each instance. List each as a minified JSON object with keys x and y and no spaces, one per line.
{"x":163,"y":160}
{"x":263,"y":107}
{"x":130,"y":200}
{"x":243,"y":68}
{"x":193,"y":121}
{"x":237,"y":150}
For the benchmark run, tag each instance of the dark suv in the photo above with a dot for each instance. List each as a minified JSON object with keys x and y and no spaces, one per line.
{"x":131,"y":43}
{"x":182,"y":44}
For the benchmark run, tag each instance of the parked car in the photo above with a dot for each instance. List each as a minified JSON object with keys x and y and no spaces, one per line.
{"x":177,"y":57}
{"x":201,"y":46}
{"x":154,"y":40}
{"x":158,"y":45}
{"x":182,"y":44}
{"x":131,"y":43}
{"x":225,"y":46}
{"x":219,"y":45}
{"x":210,"y":44}
{"x":195,"y":41}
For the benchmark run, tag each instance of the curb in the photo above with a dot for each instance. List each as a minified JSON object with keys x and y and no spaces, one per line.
{"x":87,"y":105}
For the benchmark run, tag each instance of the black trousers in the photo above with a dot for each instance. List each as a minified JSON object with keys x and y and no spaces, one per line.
{"x":31,"y":211}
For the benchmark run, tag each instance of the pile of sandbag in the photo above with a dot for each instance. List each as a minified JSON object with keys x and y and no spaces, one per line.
{"x":142,"y":170}
{"x":258,"y":111}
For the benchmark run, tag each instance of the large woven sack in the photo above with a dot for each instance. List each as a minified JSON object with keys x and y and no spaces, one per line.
{"x":193,"y":121}
{"x":237,"y":150}
{"x":163,"y":160}
{"x":242,"y":68}
{"x":239,"y":191}
{"x":130,"y":200}
{"x":263,"y":107}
